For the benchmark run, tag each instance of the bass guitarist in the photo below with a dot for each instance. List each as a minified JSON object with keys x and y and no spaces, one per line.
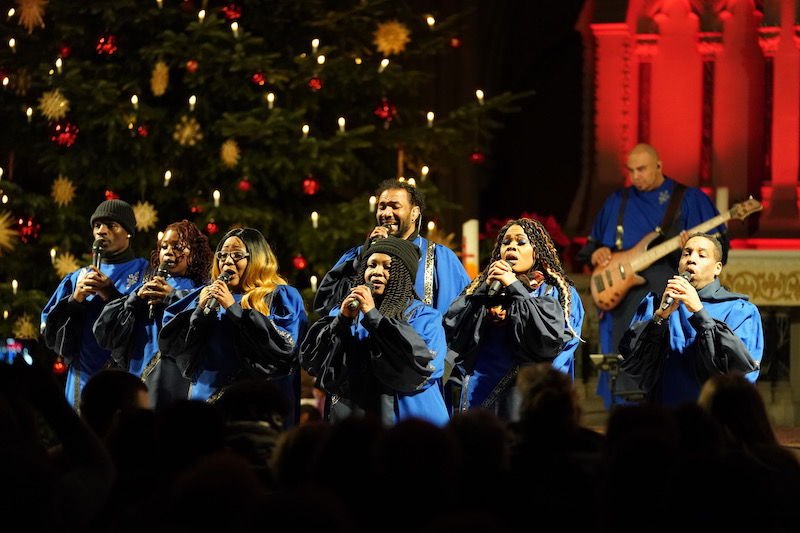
{"x":653,"y":202}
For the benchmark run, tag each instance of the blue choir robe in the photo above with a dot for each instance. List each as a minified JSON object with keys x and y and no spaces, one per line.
{"x":381,"y":366}
{"x":449,"y":278}
{"x":671,"y":361}
{"x":125,"y":328}
{"x":533,"y":331}
{"x":644,"y":212}
{"x":68,"y":323}
{"x":217,"y":349}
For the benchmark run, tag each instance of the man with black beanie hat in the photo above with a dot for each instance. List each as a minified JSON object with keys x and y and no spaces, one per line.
{"x":68,"y":317}
{"x":389,"y":364}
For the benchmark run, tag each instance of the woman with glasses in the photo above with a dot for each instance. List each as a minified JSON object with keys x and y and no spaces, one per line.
{"x":129,"y":326}
{"x":246,"y":323}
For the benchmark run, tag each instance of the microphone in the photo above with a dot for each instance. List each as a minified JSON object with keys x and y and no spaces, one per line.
{"x":496,"y":285}
{"x":163,"y":271}
{"x":97,"y":252}
{"x":377,"y":237}
{"x":670,"y":300}
{"x":213,"y":304}
{"x":353,"y":305}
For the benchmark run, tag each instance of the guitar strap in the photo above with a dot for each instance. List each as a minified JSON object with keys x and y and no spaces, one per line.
{"x":621,"y":219}
{"x":672,"y":209}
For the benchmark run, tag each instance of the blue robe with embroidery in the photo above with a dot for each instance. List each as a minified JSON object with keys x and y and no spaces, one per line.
{"x":124,"y":327}
{"x":671,"y":361}
{"x":217,"y":349}
{"x":449,"y":278}
{"x":68,"y":323}
{"x":386,"y":367}
{"x":533,"y":331}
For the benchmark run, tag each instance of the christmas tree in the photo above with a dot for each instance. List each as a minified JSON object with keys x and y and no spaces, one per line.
{"x":282,"y":116}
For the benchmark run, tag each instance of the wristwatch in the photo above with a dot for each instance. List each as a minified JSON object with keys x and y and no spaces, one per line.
{"x":658,"y":320}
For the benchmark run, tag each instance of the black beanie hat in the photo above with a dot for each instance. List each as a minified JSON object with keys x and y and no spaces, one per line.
{"x":118,"y":211}
{"x":405,"y":251}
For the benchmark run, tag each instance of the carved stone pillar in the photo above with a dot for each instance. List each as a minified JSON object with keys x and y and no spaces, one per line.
{"x":709,"y":44}
{"x":646,"y":48}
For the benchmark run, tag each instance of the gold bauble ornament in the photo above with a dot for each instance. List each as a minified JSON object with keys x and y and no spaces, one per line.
{"x":146,"y":216}
{"x":230,"y":153}
{"x":187,"y":131}
{"x":391,"y":37}
{"x":8,"y":232}
{"x":159,"y":79}
{"x":62,"y":191}
{"x":53,"y":105}
{"x":24,"y":328}
{"x":65,"y":264}
{"x":31,"y":14}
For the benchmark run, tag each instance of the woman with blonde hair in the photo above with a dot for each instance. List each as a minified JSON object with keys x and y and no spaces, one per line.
{"x":246,"y":323}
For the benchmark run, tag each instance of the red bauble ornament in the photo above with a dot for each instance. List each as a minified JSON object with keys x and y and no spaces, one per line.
{"x":232,"y":11}
{"x":258,"y":78}
{"x":455,"y":42}
{"x":28,"y":229}
{"x":386,"y":110}
{"x":299,"y":262}
{"x":244,"y":185}
{"x":64,"y":51}
{"x":142,"y":131}
{"x":315,"y":83}
{"x":64,"y":134}
{"x":196,"y":207}
{"x":59,"y":366}
{"x":191,"y":66}
{"x":106,"y":44}
{"x":212,"y":228}
{"x":310,"y":186}
{"x":477,"y":157}
{"x":111,"y":195}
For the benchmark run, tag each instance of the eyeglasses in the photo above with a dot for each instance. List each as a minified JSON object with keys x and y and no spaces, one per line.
{"x":236,"y":256}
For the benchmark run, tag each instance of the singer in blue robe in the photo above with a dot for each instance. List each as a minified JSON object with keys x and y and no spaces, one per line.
{"x":525,"y":322}
{"x":673,"y":346}
{"x":79,"y":299}
{"x":129,"y":326}
{"x":381,"y":352}
{"x":249,"y":327}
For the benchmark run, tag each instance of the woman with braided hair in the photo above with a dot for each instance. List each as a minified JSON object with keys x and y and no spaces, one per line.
{"x":521,"y":309}
{"x":381,"y":352}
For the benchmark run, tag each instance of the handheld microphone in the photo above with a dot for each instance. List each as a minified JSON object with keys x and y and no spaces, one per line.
{"x":377,"y":237}
{"x":163,"y":271}
{"x":213,"y":304}
{"x":496,"y":285}
{"x":670,"y":300}
{"x":97,"y":252}
{"x":353,"y":305}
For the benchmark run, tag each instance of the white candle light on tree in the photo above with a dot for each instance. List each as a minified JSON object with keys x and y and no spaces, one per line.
{"x":53,"y":252}
{"x":235,"y":29}
{"x":412,"y":182}
{"x":216,"y":195}
{"x":314,"y":219}
{"x":313,"y":281}
{"x":383,"y":65}
{"x":479,"y":95}
{"x":341,"y":123}
{"x":167,"y":177}
{"x":201,"y":15}
{"x":430,"y":21}
{"x":14,"y":286}
{"x":59,"y":64}
{"x":431,"y":226}
{"x":305,"y":130}
{"x":314,"y":45}
{"x":12,"y":43}
{"x":372,"y":202}
{"x":192,"y":102}
{"x":270,"y":100}
{"x":321,"y":60}
{"x":424,"y":172}
{"x":29,"y":114}
{"x":135,"y":101}
{"x":430,"y":118}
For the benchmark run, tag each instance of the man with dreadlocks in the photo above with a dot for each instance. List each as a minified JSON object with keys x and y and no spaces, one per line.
{"x":535,"y":316}
{"x":381,"y":353}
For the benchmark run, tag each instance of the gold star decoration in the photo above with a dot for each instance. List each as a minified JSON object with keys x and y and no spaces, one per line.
{"x":8,"y":232}
{"x":62,"y":191}
{"x":146,"y":215}
{"x":53,"y":105}
{"x":24,"y":328}
{"x":391,"y":37}
{"x":230,"y":153}
{"x":159,"y":79}
{"x":66,"y":264}
{"x":31,"y":14}
{"x":187,"y":132}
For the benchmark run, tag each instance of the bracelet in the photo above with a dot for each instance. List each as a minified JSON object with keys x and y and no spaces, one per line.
{"x":658,"y":320}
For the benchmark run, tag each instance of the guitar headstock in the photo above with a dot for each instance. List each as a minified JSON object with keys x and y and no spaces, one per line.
{"x":745,"y":209}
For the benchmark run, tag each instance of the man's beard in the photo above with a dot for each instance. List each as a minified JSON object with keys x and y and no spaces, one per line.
{"x":402,"y":227}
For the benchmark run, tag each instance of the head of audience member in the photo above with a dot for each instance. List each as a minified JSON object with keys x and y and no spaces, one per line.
{"x":399,"y":207}
{"x":247,"y":257}
{"x":114,"y":224}
{"x":737,"y":406}
{"x":108,"y":393}
{"x":644,"y":167}
{"x":702,"y":258}
{"x":548,"y":397}
{"x":391,"y":266}
{"x":484,"y":442}
{"x":254,"y":400}
{"x":185,"y":252}
{"x":188,"y":431}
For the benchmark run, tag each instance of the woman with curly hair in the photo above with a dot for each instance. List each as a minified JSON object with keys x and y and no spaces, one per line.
{"x":245,"y":324}
{"x":381,"y":352}
{"x":129,"y":326}
{"x":521,"y":309}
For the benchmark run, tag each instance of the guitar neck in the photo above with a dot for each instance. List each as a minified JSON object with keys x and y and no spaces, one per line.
{"x":670,"y":245}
